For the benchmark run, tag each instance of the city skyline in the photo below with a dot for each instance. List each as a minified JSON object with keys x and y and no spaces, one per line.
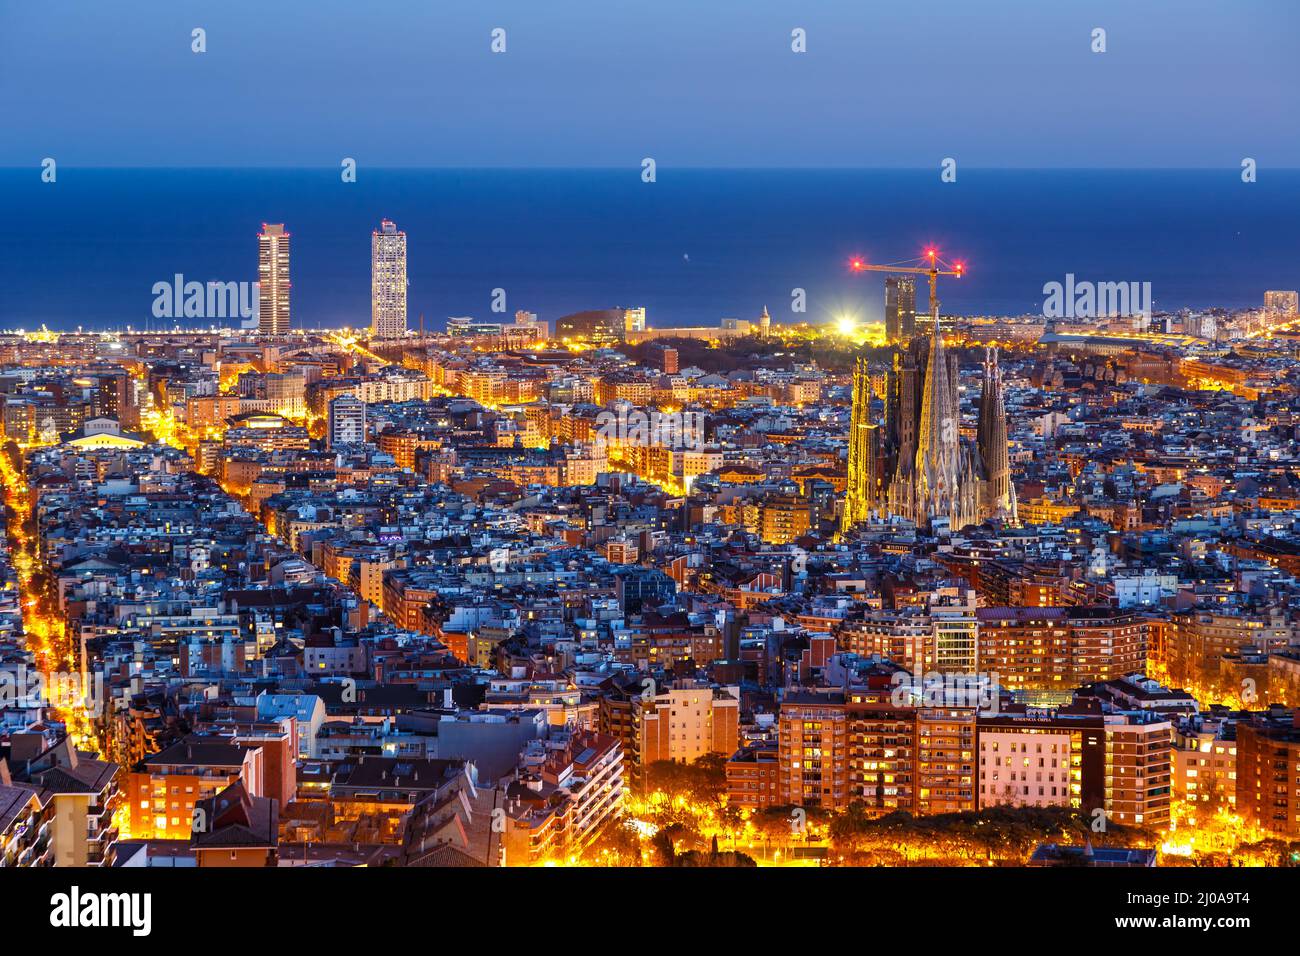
{"x":440,"y":438}
{"x":681,"y":262}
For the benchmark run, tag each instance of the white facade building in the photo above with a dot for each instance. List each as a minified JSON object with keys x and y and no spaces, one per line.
{"x":387,"y":282}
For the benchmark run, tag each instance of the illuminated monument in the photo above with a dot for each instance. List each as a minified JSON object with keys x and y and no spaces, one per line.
{"x":917,"y":465}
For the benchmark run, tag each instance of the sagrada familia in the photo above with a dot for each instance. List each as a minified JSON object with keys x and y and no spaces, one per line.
{"x":917,"y":465}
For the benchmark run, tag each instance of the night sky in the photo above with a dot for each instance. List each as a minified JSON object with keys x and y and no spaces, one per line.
{"x":594,"y":83}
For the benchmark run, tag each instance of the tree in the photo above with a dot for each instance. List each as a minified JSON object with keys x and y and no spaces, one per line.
{"x":665,"y":854}
{"x":996,"y":834}
{"x":616,"y":845}
{"x":703,"y":782}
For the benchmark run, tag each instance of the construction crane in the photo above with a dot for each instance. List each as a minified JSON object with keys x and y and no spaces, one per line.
{"x":936,"y":267}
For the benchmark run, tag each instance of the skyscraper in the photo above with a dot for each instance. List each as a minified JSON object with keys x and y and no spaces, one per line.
{"x":273,"y":276}
{"x":1281,"y":303}
{"x":387,"y":282}
{"x":900,"y":309}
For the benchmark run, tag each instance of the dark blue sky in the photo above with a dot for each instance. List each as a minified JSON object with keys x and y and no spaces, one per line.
{"x":1184,"y":83}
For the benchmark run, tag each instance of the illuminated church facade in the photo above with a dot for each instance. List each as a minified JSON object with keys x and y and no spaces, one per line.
{"x":916,"y":464}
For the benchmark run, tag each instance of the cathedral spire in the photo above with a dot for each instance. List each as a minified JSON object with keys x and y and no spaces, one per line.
{"x":862,"y":465}
{"x":1000,"y":497}
{"x":936,"y":451}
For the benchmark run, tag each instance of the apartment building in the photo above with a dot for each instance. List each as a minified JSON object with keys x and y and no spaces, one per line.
{"x":1138,"y":768}
{"x":1203,"y":762}
{"x":377,"y":794}
{"x":945,"y":760}
{"x":1042,"y":653}
{"x":752,"y":776}
{"x":76,"y":793}
{"x":684,"y":723}
{"x":812,"y":756}
{"x":1042,"y":758}
{"x":163,"y":793}
{"x":563,"y":798}
{"x":23,"y":839}
{"x":882,"y":751}
{"x":1268,"y":772}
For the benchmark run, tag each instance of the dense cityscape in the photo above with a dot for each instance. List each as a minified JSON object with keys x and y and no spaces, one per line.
{"x":682,"y":468}
{"x":955,"y":591}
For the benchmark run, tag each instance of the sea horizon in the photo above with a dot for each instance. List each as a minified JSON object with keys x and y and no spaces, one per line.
{"x":694,"y":247}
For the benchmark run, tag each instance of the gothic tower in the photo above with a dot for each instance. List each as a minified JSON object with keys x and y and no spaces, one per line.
{"x":999,"y":495}
{"x":863,"y":476}
{"x":918,"y":466}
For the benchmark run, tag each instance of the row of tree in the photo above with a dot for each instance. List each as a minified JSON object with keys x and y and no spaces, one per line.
{"x":1000,"y":834}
